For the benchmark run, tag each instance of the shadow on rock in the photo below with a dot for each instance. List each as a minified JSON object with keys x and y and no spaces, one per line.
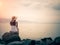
{"x":10,"y":37}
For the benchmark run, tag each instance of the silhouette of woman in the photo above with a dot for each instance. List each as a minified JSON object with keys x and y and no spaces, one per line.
{"x":14,"y":25}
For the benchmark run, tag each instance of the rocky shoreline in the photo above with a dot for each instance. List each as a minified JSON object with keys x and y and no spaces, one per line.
{"x":11,"y":38}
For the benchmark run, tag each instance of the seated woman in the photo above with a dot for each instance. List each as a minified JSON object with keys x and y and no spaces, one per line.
{"x":14,"y":25}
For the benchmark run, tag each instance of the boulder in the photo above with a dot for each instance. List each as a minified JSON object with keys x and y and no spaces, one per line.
{"x":1,"y":41}
{"x":32,"y":42}
{"x":46,"y":41}
{"x":57,"y":40}
{"x":15,"y":43}
{"x":2,"y":44}
{"x":27,"y":42}
{"x":10,"y":37}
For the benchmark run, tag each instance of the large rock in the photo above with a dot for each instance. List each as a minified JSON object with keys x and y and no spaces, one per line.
{"x":10,"y":37}
{"x":2,"y":44}
{"x":57,"y":40}
{"x":1,"y":41}
{"x":27,"y":42}
{"x":46,"y":41}
{"x":32,"y":42}
{"x":15,"y":43}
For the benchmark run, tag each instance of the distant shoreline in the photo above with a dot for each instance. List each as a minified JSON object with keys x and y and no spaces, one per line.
{"x":2,"y":20}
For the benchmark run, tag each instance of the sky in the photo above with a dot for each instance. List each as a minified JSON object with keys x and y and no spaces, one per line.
{"x":31,"y":10}
{"x":36,"y":16}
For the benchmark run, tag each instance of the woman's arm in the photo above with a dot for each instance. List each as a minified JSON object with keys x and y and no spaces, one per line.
{"x":17,"y":27}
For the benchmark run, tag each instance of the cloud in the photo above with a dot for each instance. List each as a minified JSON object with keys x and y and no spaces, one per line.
{"x":56,"y":7}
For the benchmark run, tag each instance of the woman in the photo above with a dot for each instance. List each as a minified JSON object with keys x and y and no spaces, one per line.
{"x":14,"y":25}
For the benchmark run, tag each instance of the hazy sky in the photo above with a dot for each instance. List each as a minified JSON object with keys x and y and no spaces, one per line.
{"x":44,"y":17}
{"x":32,"y":10}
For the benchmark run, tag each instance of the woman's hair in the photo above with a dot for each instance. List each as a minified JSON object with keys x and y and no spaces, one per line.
{"x":13,"y":21}
{"x":14,"y":17}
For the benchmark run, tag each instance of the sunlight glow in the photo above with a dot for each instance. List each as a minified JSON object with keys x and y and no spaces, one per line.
{"x":1,"y":4}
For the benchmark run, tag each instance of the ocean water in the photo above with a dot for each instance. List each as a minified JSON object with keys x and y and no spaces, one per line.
{"x":33,"y":30}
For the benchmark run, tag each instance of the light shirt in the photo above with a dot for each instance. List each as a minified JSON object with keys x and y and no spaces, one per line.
{"x":13,"y":28}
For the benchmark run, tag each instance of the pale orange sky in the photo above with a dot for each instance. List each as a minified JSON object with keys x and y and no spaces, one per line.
{"x":28,"y":9}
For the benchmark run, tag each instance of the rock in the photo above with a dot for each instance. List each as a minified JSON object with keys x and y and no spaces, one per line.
{"x":2,"y":44}
{"x":15,"y":43}
{"x":38,"y":42}
{"x":1,"y":41}
{"x":46,"y":41}
{"x":27,"y":42}
{"x":10,"y":37}
{"x":57,"y":40}
{"x":32,"y":42}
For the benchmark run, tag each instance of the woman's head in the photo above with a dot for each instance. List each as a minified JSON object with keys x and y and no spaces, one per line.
{"x":14,"y":18}
{"x":13,"y":21}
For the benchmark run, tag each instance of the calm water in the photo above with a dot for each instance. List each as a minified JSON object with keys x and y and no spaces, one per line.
{"x":33,"y":30}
